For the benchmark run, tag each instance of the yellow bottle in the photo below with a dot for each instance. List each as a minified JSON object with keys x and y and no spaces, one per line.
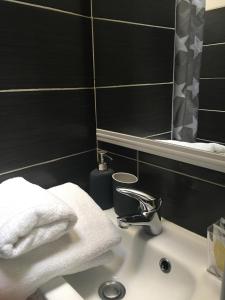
{"x":219,"y":253}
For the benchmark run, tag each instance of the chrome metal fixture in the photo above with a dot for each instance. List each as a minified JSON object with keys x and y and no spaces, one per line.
{"x":148,"y":215}
{"x":112,"y":290}
{"x":165,"y":265}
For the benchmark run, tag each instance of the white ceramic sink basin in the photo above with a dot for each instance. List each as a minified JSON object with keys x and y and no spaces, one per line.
{"x":136,"y":266}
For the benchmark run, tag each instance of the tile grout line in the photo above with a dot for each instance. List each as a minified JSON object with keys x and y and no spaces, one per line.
{"x":212,"y":78}
{"x":212,"y":110}
{"x":48,"y":8}
{"x":174,"y":57}
{"x":214,"y":44}
{"x":137,"y":156}
{"x":80,"y":88}
{"x":133,"y":85}
{"x":44,"y":89}
{"x":124,"y":134}
{"x":183,"y":174}
{"x":46,"y":162}
{"x":132,"y":23}
{"x":157,"y":134}
{"x":94,"y":71}
{"x":86,"y":16}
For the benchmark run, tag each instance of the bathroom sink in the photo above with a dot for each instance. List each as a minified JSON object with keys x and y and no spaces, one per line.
{"x":170,"y":266}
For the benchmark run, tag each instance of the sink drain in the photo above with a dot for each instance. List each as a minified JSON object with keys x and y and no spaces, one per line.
{"x":165,"y":265}
{"x":111,"y":290}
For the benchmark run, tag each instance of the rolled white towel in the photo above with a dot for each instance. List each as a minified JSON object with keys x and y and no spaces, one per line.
{"x":87,"y":245}
{"x":30,"y":217}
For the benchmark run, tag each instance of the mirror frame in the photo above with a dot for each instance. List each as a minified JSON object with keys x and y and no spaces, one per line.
{"x":195,"y":157}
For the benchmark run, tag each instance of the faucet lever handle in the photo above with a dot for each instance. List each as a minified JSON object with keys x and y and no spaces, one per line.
{"x":146,"y":201}
{"x":154,"y":210}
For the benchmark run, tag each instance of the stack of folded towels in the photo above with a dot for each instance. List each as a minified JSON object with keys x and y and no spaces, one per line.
{"x":48,"y":233}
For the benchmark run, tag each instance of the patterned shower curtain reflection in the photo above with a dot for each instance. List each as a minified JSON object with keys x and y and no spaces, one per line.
{"x":188,"y":52}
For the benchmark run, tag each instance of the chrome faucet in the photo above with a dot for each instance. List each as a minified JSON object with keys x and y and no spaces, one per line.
{"x":148,"y":215}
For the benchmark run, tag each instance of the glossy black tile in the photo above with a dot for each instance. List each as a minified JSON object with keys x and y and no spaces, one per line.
{"x":43,"y":49}
{"x":212,"y":93}
{"x":211,"y":126}
{"x":161,"y":13}
{"x":38,"y":126}
{"x":122,"y":164}
{"x":213,"y":63}
{"x":188,"y":202}
{"x":188,"y":169}
{"x":126,"y":54}
{"x":75,"y":169}
{"x":76,"y":6}
{"x":214,"y":29}
{"x":139,"y":111}
{"x":118,"y":150}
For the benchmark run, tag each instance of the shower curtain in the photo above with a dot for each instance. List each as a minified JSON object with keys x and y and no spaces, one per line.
{"x":188,"y":52}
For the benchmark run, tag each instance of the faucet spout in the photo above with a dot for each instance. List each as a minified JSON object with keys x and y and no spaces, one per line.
{"x":148,"y":215}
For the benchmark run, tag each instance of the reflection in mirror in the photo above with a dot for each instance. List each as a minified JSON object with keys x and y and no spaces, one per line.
{"x":138,"y":108}
{"x":199,"y":118}
{"x":146,"y":104}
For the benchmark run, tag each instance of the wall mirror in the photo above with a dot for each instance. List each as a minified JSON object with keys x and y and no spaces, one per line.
{"x":181,"y":113}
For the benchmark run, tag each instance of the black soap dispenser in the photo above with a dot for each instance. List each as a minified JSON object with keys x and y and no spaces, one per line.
{"x":100,"y":182}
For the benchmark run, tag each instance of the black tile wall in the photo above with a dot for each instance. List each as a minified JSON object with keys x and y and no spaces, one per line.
{"x":193,"y":197}
{"x":123,"y":151}
{"x":74,"y":169}
{"x":123,"y":164}
{"x":161,"y":13}
{"x":188,"y":202}
{"x":130,"y":54}
{"x":180,"y":167}
{"x":212,"y":90}
{"x":134,"y":43}
{"x":76,"y":6}
{"x":38,"y":126}
{"x":47,"y":133}
{"x":39,"y":48}
{"x":211,"y":126}
{"x":212,"y":94}
{"x":139,"y":111}
{"x":213,"y":64}
{"x":214,"y":31}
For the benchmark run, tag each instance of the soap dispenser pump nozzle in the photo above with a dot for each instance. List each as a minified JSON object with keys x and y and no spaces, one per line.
{"x":102,"y":166}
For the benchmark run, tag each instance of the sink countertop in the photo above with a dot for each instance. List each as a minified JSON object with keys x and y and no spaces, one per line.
{"x":136,"y":265}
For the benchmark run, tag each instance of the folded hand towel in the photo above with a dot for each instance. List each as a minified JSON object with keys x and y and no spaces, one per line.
{"x":211,"y":147}
{"x":81,"y":248}
{"x":30,"y":217}
{"x":50,"y":290}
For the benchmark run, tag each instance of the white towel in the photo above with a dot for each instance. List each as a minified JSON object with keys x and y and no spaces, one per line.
{"x":30,"y":217}
{"x":85,"y":246}
{"x":210,"y":147}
